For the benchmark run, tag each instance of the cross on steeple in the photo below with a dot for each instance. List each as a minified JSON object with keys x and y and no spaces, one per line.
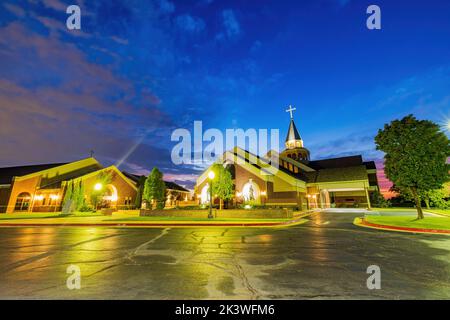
{"x":290,"y":110}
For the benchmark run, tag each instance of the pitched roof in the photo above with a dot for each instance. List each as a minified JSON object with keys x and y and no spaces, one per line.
{"x":292,"y":132}
{"x":173,"y":186}
{"x":342,"y":162}
{"x":7,"y":174}
{"x":338,"y":174}
{"x":132,"y":176}
{"x":51,"y":175}
{"x":169,"y":184}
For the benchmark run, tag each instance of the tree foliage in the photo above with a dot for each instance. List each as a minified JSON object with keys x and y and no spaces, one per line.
{"x":140,"y":192}
{"x":415,"y":158}
{"x":436,"y":198}
{"x":155,"y":189}
{"x":377,"y":200}
{"x":223,"y":183}
{"x":75,"y":194}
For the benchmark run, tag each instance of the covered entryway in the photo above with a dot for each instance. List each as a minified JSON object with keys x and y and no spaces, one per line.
{"x":109,"y":198}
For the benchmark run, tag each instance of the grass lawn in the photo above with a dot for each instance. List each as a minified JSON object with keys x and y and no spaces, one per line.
{"x":445,"y":212}
{"x":45,"y":215}
{"x":120,"y":217}
{"x":442,"y":223}
{"x":393,"y":209}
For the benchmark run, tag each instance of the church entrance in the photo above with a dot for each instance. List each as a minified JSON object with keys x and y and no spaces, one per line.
{"x":109,"y":198}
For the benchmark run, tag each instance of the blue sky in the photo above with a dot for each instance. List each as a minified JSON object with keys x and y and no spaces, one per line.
{"x":139,"y":69}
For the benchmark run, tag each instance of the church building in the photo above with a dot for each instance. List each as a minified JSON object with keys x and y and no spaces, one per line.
{"x":291,"y":178}
{"x":41,"y":188}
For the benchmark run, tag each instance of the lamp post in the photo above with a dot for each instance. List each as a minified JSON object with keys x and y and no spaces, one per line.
{"x":211,"y":176}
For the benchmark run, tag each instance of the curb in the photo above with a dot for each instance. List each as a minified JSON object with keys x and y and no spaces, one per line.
{"x":296,"y":220}
{"x":289,"y":223}
{"x":361,"y":222}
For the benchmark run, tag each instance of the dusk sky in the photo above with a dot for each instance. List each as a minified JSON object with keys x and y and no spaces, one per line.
{"x":137,"y":70}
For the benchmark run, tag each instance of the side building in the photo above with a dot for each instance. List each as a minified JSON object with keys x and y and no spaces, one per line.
{"x":41,"y":188}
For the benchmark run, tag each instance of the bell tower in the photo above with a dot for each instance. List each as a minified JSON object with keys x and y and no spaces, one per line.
{"x":294,"y":143}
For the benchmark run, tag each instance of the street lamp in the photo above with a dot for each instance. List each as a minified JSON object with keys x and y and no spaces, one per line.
{"x":211,"y":176}
{"x":98,"y":186}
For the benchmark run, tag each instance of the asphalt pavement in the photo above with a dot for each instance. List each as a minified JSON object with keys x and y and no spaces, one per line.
{"x":325,"y":258}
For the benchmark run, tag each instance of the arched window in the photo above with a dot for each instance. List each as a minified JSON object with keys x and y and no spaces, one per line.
{"x":251,"y":192}
{"x":23,"y":202}
{"x":204,"y":195}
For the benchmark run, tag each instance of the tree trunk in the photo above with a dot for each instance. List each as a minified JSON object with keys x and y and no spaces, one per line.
{"x":418,"y":204}
{"x":220,"y":204}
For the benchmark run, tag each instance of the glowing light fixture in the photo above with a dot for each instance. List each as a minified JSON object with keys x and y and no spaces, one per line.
{"x":98,"y":186}
{"x":39,"y":197}
{"x":211,"y":175}
{"x":54,"y":196}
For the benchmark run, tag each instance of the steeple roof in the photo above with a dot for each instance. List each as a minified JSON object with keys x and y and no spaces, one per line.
{"x":292,"y":132}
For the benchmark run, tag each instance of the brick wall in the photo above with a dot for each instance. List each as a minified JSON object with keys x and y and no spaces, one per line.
{"x":28,"y":185}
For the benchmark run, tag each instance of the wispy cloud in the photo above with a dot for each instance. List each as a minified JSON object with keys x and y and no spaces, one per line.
{"x":190,"y":23}
{"x":166,"y":6}
{"x":231,"y":25}
{"x":16,"y":10}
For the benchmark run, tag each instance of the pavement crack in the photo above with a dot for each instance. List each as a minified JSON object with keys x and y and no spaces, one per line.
{"x":135,"y":252}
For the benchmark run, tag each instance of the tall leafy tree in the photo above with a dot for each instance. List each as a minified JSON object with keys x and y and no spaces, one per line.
{"x":68,"y":194}
{"x":155,"y":189}
{"x":140,"y":192}
{"x":222,"y":185}
{"x":80,"y":200}
{"x":415,"y":158}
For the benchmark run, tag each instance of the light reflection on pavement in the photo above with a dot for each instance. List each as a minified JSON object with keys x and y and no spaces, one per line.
{"x":325,"y":258}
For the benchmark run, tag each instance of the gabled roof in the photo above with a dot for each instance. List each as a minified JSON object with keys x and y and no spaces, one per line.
{"x":132,"y":176}
{"x":257,"y":165}
{"x":173,"y":186}
{"x":169,"y":184}
{"x":333,"y":163}
{"x":338,"y":174}
{"x":71,"y":169}
{"x":110,"y":168}
{"x":292,"y":132}
{"x":8,"y":173}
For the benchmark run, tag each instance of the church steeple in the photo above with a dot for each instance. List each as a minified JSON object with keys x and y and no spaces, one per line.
{"x":294,"y":142}
{"x":293,"y":139}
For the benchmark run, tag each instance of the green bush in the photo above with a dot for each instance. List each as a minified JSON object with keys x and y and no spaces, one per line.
{"x":86,"y":208}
